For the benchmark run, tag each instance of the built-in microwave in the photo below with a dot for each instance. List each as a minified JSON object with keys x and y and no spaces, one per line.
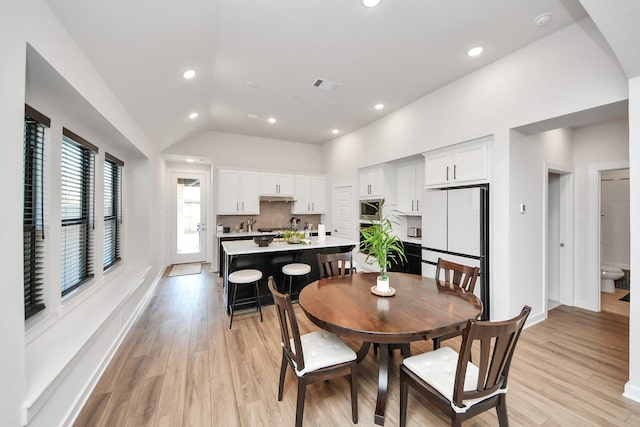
{"x":369,"y":208}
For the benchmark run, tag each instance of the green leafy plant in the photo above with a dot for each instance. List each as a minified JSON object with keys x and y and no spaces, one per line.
{"x":293,"y":236}
{"x":379,"y":242}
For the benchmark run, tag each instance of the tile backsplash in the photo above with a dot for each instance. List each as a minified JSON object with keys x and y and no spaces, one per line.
{"x":272,"y":214}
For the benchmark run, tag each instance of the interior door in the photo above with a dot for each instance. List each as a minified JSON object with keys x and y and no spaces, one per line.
{"x":188,"y":214}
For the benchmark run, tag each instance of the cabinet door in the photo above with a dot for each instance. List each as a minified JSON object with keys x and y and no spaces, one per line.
{"x":470,"y":163}
{"x":229,"y":187}
{"x":302,"y":205}
{"x":419,"y":189}
{"x":318,"y":204}
{"x":268,"y":184}
{"x":365,"y":184}
{"x":406,"y":188}
{"x":250,"y":193}
{"x":286,"y":185}
{"x":376,"y":179}
{"x":437,"y":169}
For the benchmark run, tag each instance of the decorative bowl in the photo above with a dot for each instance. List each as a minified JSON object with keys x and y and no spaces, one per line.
{"x":263,"y":241}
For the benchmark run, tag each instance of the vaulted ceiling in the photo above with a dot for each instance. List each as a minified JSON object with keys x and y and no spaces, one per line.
{"x":256,"y":60}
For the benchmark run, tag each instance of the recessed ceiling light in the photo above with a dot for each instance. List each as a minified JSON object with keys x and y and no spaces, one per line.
{"x":335,"y":131}
{"x":193,"y":115}
{"x":475,"y":51}
{"x":543,"y":19}
{"x":378,"y":106}
{"x":189,"y":74}
{"x":190,"y":160}
{"x":370,"y":3}
{"x":271,"y":120}
{"x":252,"y":116}
{"x":251,"y":84}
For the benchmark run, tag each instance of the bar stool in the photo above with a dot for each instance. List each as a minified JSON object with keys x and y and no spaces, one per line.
{"x":295,"y":269}
{"x":244,"y":277}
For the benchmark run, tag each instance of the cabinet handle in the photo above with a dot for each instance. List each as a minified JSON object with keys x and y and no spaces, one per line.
{"x":447,"y":173}
{"x":308,"y":206}
{"x":242,"y":206}
{"x":237,"y":206}
{"x":313,"y":206}
{"x":417,"y":205}
{"x":412,"y":205}
{"x":454,"y":171}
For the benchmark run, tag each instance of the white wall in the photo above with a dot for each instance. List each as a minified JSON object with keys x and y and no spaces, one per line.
{"x":530,"y":155}
{"x":569,"y":71}
{"x":632,"y":388}
{"x":600,"y":146}
{"x":49,"y":366}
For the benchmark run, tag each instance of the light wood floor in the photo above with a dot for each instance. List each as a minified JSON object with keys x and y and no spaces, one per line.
{"x":610,"y":301}
{"x":180,"y":365}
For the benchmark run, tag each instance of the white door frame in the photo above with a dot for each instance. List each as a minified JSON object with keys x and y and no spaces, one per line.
{"x":566,"y":291}
{"x":594,"y":212}
{"x":203,"y":176}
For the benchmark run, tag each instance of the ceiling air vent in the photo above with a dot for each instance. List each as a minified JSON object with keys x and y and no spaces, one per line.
{"x":327,"y":85}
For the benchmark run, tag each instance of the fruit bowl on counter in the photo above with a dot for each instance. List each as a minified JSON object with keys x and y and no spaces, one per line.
{"x":263,"y":241}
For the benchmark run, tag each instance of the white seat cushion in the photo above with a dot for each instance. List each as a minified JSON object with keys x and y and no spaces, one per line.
{"x":245,"y":276}
{"x":438,"y":368}
{"x":322,"y":349}
{"x":296,"y":269}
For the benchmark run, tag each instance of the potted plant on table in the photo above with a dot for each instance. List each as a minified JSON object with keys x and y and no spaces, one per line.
{"x":381,"y":245}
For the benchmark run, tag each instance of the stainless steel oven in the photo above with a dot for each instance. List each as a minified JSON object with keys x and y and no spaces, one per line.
{"x":369,"y":208}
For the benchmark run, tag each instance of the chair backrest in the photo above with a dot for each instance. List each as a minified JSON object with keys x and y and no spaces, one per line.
{"x":458,"y":275}
{"x":289,"y":331}
{"x":335,"y":265}
{"x":497,"y":344}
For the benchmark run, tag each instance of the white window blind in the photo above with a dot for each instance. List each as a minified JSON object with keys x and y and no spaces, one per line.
{"x":77,"y":196}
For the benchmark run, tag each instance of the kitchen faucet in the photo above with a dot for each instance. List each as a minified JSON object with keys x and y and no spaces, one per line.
{"x":250,"y":223}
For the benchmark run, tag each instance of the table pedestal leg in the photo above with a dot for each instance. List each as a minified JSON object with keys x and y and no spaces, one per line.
{"x":383,"y":382}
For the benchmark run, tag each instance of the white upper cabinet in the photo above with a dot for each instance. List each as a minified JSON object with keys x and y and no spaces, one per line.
{"x":238,"y":192}
{"x":372,"y":182}
{"x":464,"y":163}
{"x":409,"y":187}
{"x":273,"y":184}
{"x":309,"y":195}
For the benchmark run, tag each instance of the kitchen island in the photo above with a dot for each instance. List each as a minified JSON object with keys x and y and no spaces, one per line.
{"x":241,"y":254}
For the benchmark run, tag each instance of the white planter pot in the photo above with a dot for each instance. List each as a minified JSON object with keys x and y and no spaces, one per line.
{"x":382,"y":284}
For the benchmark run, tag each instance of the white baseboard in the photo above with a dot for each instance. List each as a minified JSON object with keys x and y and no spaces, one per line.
{"x":632,"y":392}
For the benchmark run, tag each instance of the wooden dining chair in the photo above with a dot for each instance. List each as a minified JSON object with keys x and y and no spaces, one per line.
{"x":452,"y":382}
{"x":314,"y":357}
{"x":335,"y":265}
{"x":454,"y":275}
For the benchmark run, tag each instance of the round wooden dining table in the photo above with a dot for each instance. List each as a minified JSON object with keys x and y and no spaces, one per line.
{"x":421,"y":309}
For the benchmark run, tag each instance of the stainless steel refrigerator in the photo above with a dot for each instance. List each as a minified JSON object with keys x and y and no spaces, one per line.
{"x":455,"y":227}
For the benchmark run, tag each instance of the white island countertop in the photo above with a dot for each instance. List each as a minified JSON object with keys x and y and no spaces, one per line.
{"x":246,"y":247}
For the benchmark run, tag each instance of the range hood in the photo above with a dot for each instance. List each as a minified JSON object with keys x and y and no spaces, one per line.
{"x":277,"y":199}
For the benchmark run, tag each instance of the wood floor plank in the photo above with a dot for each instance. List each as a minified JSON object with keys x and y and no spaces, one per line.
{"x":181,"y":365}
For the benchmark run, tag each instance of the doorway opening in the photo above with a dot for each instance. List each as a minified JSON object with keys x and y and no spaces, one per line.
{"x":614,"y":241}
{"x":559,"y":289}
{"x":188,"y":217}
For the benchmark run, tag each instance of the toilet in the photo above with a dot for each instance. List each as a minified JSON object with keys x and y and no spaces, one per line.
{"x":607,"y":276}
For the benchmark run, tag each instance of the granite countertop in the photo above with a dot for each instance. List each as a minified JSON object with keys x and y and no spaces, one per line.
{"x":244,"y":247}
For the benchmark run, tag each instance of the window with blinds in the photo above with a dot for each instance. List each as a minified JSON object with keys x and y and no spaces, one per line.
{"x":112,"y":209}
{"x":35,"y":125}
{"x":77,"y":196}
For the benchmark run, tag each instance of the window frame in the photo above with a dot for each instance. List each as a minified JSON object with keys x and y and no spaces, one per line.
{"x":86,"y":196}
{"x":112,"y":247}
{"x":34,"y":140}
